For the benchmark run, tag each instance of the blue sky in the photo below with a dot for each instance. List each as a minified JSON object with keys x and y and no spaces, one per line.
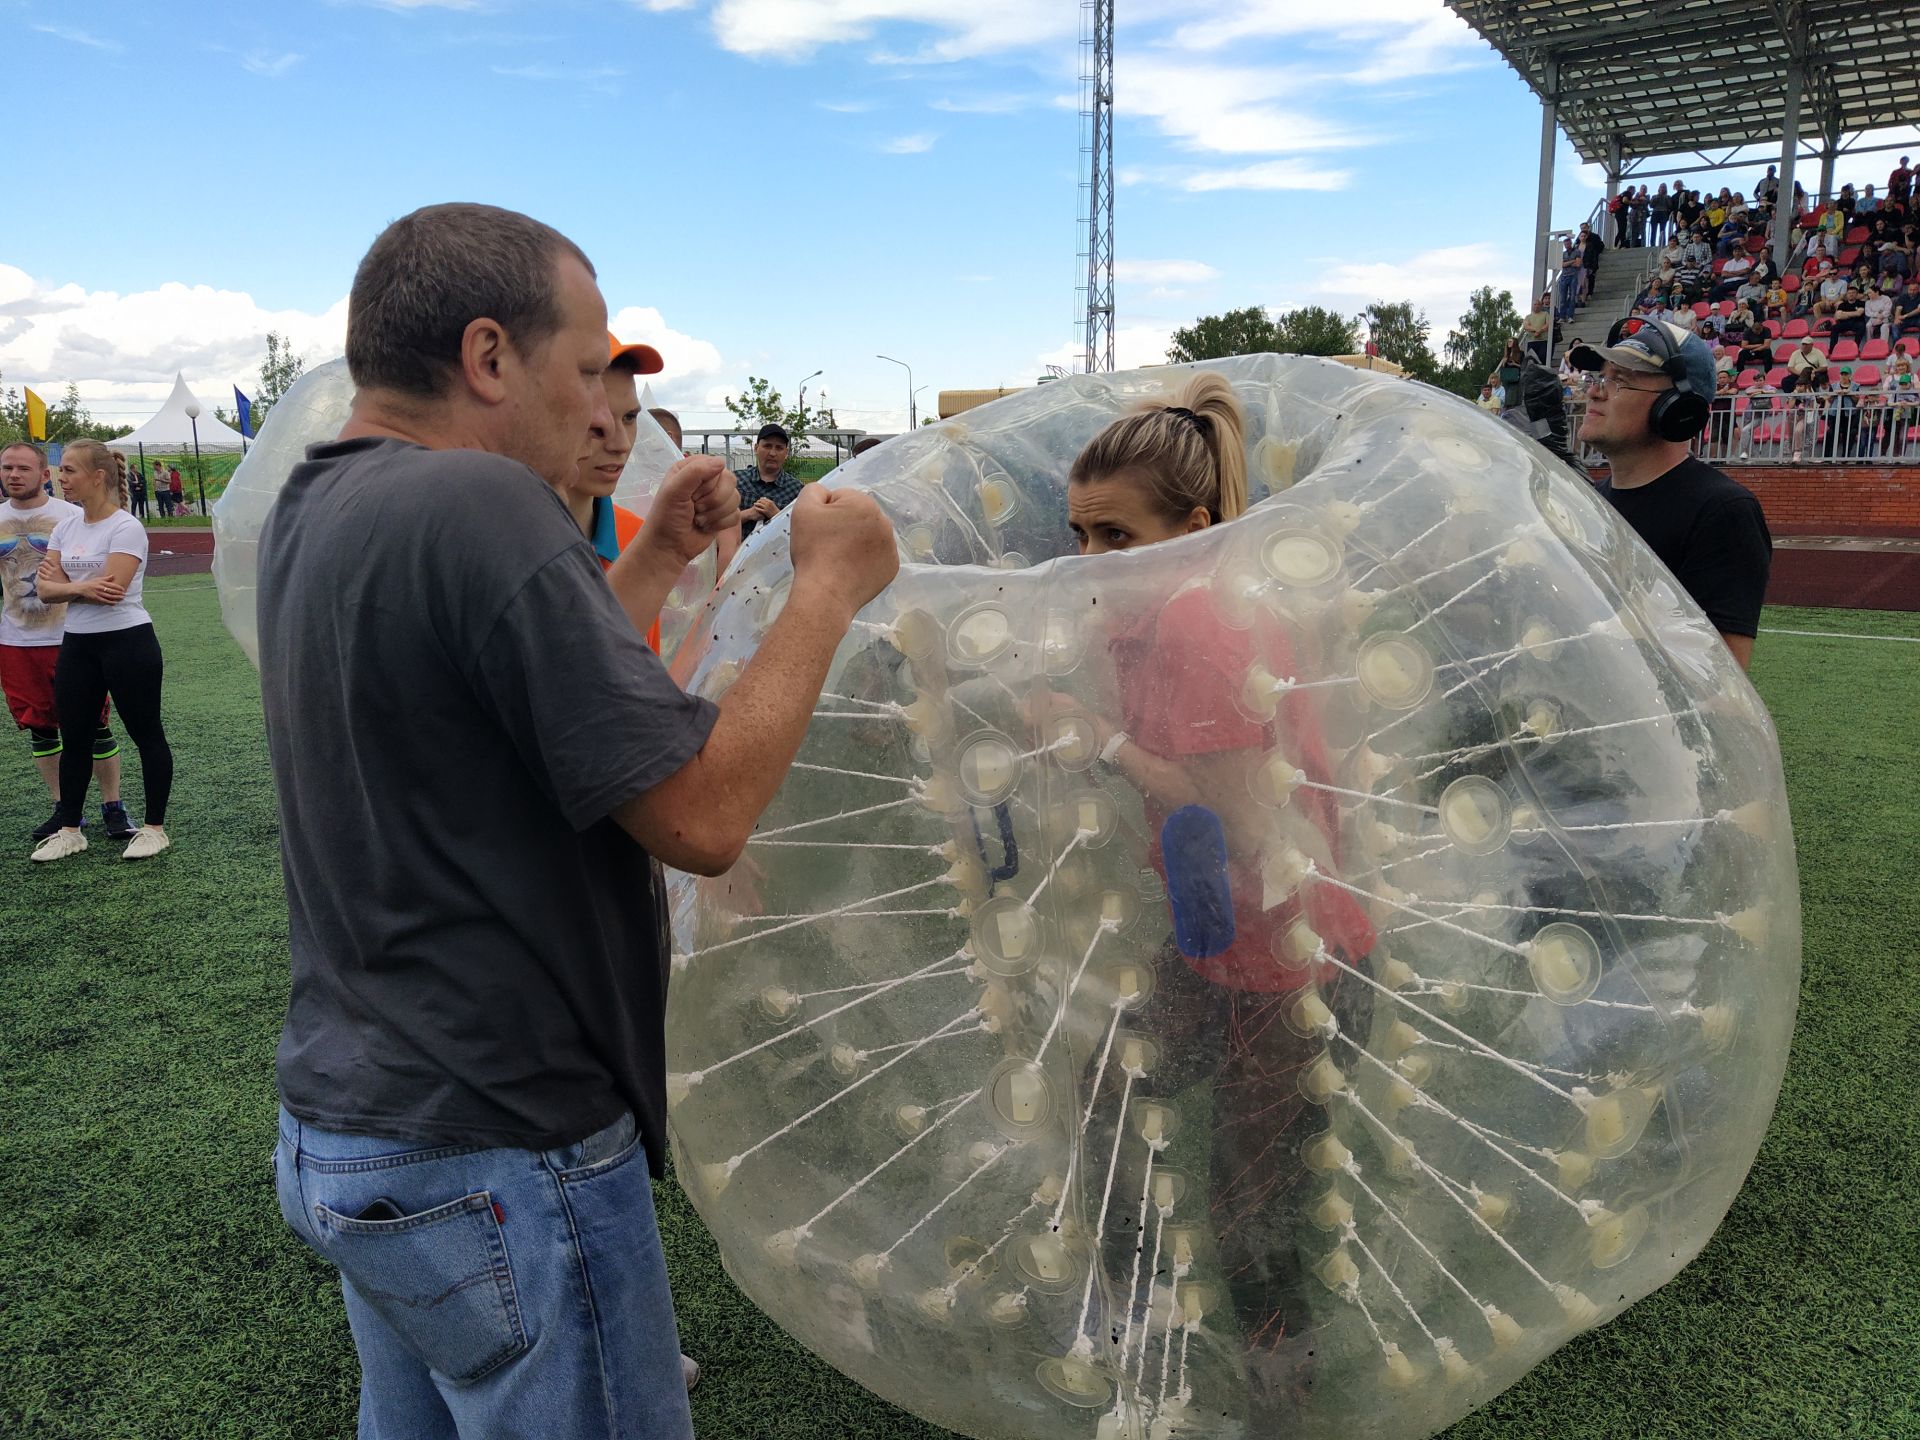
{"x":766,"y":186}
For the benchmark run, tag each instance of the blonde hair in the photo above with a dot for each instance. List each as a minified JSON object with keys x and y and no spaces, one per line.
{"x":99,"y":457}
{"x":1190,"y":449}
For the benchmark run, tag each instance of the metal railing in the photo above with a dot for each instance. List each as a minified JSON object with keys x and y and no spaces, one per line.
{"x":1821,"y":427}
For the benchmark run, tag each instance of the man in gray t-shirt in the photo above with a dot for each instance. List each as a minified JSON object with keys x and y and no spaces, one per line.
{"x":477,"y":759}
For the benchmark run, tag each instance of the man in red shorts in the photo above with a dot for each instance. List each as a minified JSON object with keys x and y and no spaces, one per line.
{"x":31,"y":631}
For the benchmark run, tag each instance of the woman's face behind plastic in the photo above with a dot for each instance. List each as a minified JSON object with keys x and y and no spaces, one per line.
{"x":1118,"y":513}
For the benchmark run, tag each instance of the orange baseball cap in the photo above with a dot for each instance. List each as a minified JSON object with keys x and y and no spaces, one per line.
{"x":646,"y":360}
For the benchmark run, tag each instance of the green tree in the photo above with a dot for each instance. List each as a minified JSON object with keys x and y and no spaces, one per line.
{"x":1474,"y":347}
{"x":760,"y":404}
{"x":1314,"y":330}
{"x":277,"y":373}
{"x":67,"y":418}
{"x":1213,"y":337}
{"x":1400,"y":333}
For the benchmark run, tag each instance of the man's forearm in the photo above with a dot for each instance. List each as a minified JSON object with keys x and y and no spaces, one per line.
{"x":700,"y":817}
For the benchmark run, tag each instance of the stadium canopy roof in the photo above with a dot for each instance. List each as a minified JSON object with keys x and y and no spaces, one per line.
{"x":1660,"y":77}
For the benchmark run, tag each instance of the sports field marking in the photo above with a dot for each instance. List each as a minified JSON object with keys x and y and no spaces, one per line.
{"x":1842,"y":635}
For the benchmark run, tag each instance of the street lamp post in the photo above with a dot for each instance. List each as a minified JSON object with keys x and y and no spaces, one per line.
{"x":913,"y":408}
{"x":199,"y":475}
{"x":801,"y":407}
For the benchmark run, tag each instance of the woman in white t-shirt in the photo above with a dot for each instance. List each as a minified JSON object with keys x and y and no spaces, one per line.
{"x":96,"y":562}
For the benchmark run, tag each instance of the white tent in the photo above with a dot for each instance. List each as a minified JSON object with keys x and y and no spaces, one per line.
{"x":172,"y":428}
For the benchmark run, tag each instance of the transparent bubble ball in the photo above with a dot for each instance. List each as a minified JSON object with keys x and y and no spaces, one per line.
{"x":312,"y":412}
{"x":1417,"y":1002}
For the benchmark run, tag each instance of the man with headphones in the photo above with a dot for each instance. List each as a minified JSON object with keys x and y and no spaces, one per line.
{"x":1648,"y":391}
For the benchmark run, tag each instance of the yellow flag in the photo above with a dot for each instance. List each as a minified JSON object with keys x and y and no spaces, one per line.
{"x":36,"y":417}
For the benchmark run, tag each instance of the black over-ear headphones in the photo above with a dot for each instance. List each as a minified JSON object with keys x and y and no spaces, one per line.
{"x":1679,"y":413}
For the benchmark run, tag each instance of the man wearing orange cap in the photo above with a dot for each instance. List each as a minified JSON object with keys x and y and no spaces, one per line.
{"x":589,"y":495}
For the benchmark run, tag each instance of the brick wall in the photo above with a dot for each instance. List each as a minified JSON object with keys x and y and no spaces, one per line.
{"x":1835,"y":500}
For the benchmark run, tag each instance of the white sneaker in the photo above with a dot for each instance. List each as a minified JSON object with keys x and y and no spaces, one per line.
{"x":690,"y":1370}
{"x":61,"y":844}
{"x":149,"y":842}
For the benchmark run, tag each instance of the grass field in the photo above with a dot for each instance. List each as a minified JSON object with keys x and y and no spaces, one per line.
{"x":148,"y":1288}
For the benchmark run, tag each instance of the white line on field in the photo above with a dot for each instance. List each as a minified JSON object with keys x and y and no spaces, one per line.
{"x":1841,"y":635}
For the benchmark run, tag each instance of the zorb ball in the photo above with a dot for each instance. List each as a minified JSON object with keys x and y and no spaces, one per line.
{"x":1410,"y":996}
{"x":312,"y":412}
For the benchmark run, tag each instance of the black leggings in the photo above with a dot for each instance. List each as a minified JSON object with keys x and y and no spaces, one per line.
{"x":125,"y":664}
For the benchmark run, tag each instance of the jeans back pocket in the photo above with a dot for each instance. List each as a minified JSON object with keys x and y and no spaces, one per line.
{"x":439,"y":1278}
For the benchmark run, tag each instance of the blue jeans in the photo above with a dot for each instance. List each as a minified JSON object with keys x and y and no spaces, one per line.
{"x":494,"y":1294}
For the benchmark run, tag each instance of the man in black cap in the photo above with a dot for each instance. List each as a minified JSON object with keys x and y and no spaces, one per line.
{"x":766,"y":487}
{"x":1649,"y":389}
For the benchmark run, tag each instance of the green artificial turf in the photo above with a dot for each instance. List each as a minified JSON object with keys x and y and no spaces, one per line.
{"x":148,"y":1288}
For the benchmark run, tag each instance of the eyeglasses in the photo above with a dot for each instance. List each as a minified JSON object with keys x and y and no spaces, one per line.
{"x":1594,"y":379}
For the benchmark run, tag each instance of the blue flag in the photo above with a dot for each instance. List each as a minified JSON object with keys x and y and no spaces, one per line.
{"x":245,"y":407}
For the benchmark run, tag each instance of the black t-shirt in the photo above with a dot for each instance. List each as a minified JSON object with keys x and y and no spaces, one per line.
{"x":455,"y":703}
{"x":1709,"y":530}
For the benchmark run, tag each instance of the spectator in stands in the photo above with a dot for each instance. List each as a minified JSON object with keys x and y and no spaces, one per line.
{"x":1769,"y":187}
{"x":1690,"y":278}
{"x":1725,"y":359}
{"x":1868,"y":205}
{"x":1659,"y":213}
{"x":1778,"y":301}
{"x":1833,"y":289}
{"x":1733,"y":235}
{"x":1806,"y":367}
{"x":1537,"y":328}
{"x":1833,"y":225}
{"x":1751,"y":293}
{"x":1906,"y":308}
{"x":1651,"y":392}
{"x":1842,"y":434}
{"x":1592,"y":247}
{"x":1682,"y":317}
{"x":1733,"y":274}
{"x":137,"y":491}
{"x":1903,"y":399}
{"x":1568,"y":283}
{"x":1488,"y":401}
{"x":1716,"y":216}
{"x":1638,"y":205}
{"x":1686,"y":210}
{"x":1900,"y":182}
{"x":1755,"y":354}
{"x":1696,"y":248}
{"x":1850,"y":315}
{"x":1879,"y":315}
{"x":1845,"y":202}
{"x":1745,"y":318}
{"x":1894,"y":262}
{"x":176,"y":492}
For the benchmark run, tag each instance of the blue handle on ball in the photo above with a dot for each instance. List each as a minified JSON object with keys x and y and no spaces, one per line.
{"x":1193,"y":844}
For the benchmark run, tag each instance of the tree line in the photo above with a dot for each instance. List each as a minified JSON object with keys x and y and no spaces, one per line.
{"x":1397,"y":331}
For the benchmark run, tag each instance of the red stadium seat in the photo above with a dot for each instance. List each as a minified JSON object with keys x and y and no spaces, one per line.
{"x":1849,"y":257}
{"x":1822,"y":326}
{"x":1810,"y":219}
{"x":1718,"y":266}
{"x":1746,"y":381}
{"x":1867,"y":374}
{"x":1858,"y":235}
{"x":1700,"y":308}
{"x":1908,"y":345}
{"x":1725,"y":307}
{"x":1790,"y":283}
{"x":1776,"y":375}
{"x":1783,"y":348}
{"x":1756,"y":244}
{"x":1846,"y":349}
{"x":1794,"y":330}
{"x":1875,"y":349}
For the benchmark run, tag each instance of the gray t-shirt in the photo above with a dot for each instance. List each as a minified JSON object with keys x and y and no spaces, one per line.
{"x":455,"y":703}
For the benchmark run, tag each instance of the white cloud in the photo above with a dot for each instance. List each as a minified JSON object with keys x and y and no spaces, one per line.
{"x":1164,"y":272}
{"x":1225,"y":109}
{"x":1437,"y":281}
{"x":986,"y":104}
{"x":74,"y":35}
{"x":908,"y":144}
{"x":793,"y":29}
{"x":845,"y":107}
{"x":659,"y":6}
{"x":1402,"y":38}
{"x":1267,"y":175}
{"x":1133,"y":346}
{"x":271,"y":66}
{"x":123,"y":350}
{"x":694,"y":368}
{"x":562,"y":74}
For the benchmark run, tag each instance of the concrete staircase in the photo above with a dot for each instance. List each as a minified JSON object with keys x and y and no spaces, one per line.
{"x":1613,"y":291}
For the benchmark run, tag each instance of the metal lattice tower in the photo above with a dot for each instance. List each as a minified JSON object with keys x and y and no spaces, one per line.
{"x":1096,"y":189}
